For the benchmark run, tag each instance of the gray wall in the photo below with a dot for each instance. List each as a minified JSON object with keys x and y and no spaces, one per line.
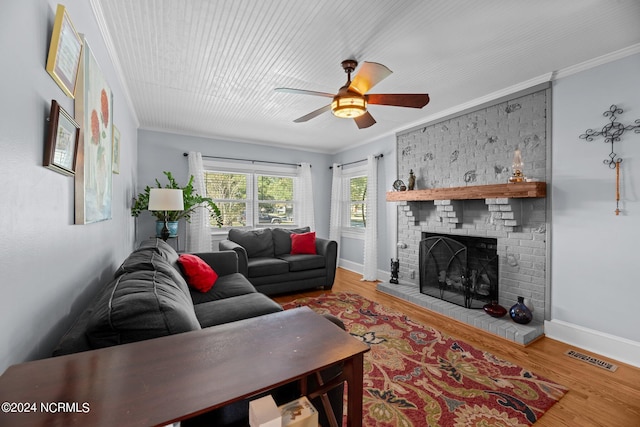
{"x":49,"y":266}
{"x":160,"y":152}
{"x":352,"y":250}
{"x":594,"y":252}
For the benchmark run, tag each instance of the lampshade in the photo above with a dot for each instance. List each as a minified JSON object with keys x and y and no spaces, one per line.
{"x":349,"y":105}
{"x":165,"y":199}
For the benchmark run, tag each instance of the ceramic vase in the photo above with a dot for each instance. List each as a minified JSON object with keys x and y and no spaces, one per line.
{"x":171,"y":225}
{"x":520,"y":313}
{"x":494,"y":309}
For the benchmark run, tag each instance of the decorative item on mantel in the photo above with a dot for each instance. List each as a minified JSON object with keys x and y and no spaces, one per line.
{"x":412,"y":180}
{"x":520,"y":313}
{"x":398,"y":185}
{"x":612,"y":133}
{"x":517,"y":168}
{"x":494,"y":309}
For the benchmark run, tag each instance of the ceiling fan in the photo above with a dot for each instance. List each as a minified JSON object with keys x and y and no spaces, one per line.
{"x":352,"y":99}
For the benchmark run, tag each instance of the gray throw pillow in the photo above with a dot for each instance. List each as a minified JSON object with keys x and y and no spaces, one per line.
{"x":282,"y":239}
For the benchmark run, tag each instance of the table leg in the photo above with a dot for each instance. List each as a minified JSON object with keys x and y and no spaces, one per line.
{"x":354,"y":377}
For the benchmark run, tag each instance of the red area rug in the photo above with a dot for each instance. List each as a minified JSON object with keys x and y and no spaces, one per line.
{"x":417,"y":376}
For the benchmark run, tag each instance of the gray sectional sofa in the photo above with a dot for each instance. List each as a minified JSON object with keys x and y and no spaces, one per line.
{"x":264,"y":257}
{"x":149,"y":298}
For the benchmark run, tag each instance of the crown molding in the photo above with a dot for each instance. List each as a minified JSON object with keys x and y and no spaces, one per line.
{"x":115,"y":61}
{"x":600,"y":60}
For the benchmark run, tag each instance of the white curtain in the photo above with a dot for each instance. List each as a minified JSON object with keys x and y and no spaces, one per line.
{"x":370,"y":272}
{"x":198,"y":229}
{"x":335,"y":220}
{"x":305,"y":214}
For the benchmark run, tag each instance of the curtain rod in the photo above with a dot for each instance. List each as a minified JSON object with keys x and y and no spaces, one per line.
{"x":247,"y":160}
{"x":357,"y":161}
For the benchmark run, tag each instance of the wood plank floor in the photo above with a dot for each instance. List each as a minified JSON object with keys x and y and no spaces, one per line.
{"x":596,"y":397}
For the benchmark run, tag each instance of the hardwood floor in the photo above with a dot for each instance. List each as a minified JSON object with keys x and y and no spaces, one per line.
{"x":596,"y":397}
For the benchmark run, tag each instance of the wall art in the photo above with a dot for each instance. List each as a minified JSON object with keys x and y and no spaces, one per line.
{"x":61,"y":146}
{"x":612,"y":132}
{"x":94,"y":112}
{"x":116,"y":151}
{"x":65,"y":51}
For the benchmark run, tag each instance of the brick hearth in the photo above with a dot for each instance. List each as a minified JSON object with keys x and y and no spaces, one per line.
{"x":503,"y":327}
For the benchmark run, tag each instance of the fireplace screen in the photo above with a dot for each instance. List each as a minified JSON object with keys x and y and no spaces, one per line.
{"x":462,"y":270}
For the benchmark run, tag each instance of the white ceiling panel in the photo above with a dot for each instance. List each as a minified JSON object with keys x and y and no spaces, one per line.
{"x":210,"y":67}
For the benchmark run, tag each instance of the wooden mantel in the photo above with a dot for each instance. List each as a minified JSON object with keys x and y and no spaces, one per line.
{"x":471,"y":192}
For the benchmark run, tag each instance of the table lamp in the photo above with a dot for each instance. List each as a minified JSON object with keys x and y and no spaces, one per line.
{"x":165,"y":199}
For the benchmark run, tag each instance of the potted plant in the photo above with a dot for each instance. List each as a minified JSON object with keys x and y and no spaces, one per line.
{"x":192,"y":201}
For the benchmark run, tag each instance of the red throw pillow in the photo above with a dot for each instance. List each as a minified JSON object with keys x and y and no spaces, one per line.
{"x":304,"y":243}
{"x":198,"y":273}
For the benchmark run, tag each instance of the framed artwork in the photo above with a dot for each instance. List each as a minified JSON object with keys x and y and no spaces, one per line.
{"x":65,"y":51}
{"x":116,"y":151}
{"x":61,"y":146}
{"x":94,"y":112}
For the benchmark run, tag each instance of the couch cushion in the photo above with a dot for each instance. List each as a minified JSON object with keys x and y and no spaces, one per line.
{"x":163,"y":248}
{"x":227,"y":286}
{"x":282,"y":239}
{"x":303,"y":262}
{"x":141,"y":258}
{"x":141,"y":305}
{"x":267,"y":266}
{"x":199,"y":274}
{"x":257,"y":243}
{"x":235,"y":308}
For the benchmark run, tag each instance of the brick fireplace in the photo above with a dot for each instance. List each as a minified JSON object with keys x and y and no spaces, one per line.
{"x":457,"y":161}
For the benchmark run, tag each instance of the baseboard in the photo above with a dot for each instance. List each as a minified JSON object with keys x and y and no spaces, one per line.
{"x":359,"y":268}
{"x":620,"y":349}
{"x":351,"y":266}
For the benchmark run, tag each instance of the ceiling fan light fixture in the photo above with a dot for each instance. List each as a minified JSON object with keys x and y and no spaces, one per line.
{"x":348,"y":106}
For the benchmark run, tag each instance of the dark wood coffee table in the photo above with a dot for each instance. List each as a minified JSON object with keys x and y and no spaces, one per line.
{"x":163,"y":380}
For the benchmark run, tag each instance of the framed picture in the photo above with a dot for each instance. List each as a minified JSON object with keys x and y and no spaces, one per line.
{"x":63,"y":62}
{"x":116,"y":151}
{"x":61,"y":146}
{"x":94,"y":112}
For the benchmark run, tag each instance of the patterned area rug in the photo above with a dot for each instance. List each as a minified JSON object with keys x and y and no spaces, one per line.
{"x":417,"y":376}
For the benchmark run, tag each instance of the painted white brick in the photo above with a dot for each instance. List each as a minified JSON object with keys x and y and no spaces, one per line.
{"x":515,"y":223}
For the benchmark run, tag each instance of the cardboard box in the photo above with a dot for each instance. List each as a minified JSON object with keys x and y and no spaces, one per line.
{"x":299,"y":413}
{"x":263,"y":412}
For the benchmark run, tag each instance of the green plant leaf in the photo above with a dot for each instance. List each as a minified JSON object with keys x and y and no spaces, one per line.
{"x":192,"y":201}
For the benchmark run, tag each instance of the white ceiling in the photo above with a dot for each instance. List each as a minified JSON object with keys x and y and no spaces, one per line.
{"x":210,"y":67}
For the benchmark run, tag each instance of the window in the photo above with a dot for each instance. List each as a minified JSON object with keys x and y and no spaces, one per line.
{"x":229,"y":191}
{"x":355,"y":193}
{"x":275,"y":199}
{"x":250,"y":198}
{"x":357,"y":206}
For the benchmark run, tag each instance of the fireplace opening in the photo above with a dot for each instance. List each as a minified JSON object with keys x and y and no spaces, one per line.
{"x":459,"y":269}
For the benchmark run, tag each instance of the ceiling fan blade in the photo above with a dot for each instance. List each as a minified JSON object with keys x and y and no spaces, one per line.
{"x":365,"y":120}
{"x":313,"y":114}
{"x":304,"y":92}
{"x":369,"y":75}
{"x":413,"y":100}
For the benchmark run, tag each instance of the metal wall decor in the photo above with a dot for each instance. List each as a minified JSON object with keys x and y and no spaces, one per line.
{"x":612,"y":132}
